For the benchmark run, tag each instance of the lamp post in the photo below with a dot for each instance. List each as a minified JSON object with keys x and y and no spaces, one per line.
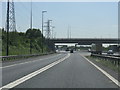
{"x":7,"y":48}
{"x":31,"y":28}
{"x":42,"y":28}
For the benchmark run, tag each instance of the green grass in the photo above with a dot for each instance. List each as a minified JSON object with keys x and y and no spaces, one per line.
{"x":21,"y":51}
{"x":0,"y":47}
{"x":19,"y":42}
{"x":105,"y":63}
{"x":13,"y":50}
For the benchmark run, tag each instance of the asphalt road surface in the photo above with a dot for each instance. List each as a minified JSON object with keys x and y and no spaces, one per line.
{"x":73,"y":72}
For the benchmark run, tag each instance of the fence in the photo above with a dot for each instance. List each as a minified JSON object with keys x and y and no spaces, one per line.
{"x":113,"y":59}
{"x":13,"y":57}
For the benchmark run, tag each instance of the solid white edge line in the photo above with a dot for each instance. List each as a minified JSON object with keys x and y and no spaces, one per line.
{"x":31,"y":75}
{"x":27,"y":62}
{"x":104,"y":72}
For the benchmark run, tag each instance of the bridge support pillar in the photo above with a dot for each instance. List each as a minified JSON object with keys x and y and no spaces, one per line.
{"x":76,"y":46}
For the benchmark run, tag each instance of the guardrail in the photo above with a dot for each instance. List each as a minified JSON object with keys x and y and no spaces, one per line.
{"x":115,"y":55}
{"x":113,"y":59}
{"x":13,"y":57}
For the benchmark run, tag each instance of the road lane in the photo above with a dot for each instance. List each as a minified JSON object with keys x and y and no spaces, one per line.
{"x":74,"y":72}
{"x":19,"y":70}
{"x":12,"y":62}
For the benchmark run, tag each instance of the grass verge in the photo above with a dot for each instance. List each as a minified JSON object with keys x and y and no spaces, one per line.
{"x":105,"y":63}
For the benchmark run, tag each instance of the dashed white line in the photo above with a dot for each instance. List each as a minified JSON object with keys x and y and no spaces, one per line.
{"x":29,"y":76}
{"x":104,"y":72}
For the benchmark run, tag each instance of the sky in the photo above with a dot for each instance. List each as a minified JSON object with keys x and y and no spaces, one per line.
{"x":84,"y":19}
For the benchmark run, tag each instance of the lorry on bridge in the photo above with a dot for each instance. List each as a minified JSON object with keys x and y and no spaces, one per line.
{"x":96,"y":48}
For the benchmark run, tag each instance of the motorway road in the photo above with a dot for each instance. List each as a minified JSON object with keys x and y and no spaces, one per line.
{"x":73,"y":72}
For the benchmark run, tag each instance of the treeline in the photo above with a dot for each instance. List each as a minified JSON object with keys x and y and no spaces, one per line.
{"x":19,"y":42}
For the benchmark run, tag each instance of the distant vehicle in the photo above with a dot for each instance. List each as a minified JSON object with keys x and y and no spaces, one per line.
{"x":110,"y":52}
{"x":78,"y":49}
{"x":71,"y":51}
{"x":89,"y":50}
{"x":67,"y":49}
{"x":114,"y":48}
{"x":56,"y":50}
{"x":96,"y":49}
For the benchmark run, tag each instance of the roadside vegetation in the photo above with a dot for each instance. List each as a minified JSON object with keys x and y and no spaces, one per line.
{"x":105,"y":63}
{"x":19,"y":42}
{"x":0,"y":42}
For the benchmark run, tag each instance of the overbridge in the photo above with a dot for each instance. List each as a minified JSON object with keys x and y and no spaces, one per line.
{"x":86,"y":41}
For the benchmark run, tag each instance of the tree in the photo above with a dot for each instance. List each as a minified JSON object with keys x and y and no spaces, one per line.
{"x":34,"y":33}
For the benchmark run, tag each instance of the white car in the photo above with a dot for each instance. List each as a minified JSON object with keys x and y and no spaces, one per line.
{"x":110,"y":52}
{"x":89,"y":50}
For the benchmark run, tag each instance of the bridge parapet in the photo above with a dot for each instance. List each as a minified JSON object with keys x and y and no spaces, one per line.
{"x":86,"y":41}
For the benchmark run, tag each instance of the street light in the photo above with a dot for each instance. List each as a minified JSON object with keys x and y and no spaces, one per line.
{"x":31,"y":28}
{"x":42,"y":28}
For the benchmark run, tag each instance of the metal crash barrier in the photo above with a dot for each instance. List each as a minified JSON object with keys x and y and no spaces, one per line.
{"x":13,"y":57}
{"x":112,"y":58}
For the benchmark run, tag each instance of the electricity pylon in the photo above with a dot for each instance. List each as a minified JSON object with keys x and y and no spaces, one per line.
{"x":10,"y":22}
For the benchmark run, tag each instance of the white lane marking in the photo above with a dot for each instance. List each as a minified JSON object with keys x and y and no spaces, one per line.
{"x":27,"y":62}
{"x":31,"y":75}
{"x":104,"y":72}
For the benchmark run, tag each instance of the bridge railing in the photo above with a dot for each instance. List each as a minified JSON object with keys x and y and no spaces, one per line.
{"x":113,"y":59}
